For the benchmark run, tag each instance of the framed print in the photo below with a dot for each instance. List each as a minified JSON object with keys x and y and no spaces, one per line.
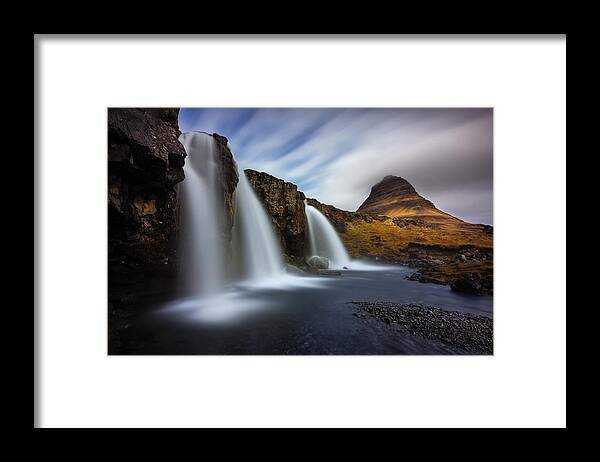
{"x":299,"y":231}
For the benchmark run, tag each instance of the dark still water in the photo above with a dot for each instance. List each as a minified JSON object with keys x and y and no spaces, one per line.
{"x":293,"y":315}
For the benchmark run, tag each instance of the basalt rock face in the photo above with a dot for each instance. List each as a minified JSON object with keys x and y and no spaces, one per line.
{"x":145,"y":163}
{"x":285,"y":205}
{"x":229,"y":181}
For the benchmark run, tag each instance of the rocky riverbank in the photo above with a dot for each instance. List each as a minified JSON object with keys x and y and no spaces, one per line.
{"x":466,"y":269}
{"x":471,"y":333}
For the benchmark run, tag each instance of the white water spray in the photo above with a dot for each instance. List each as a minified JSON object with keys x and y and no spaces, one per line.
{"x":324,"y":240}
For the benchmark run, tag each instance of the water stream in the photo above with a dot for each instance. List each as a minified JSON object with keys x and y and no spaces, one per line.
{"x":200,"y":249}
{"x":254,"y":240}
{"x":324,"y":239}
{"x":207,"y":276}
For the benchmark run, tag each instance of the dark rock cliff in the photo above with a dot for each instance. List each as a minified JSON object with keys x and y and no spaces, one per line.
{"x":229,"y":181}
{"x":285,"y":204}
{"x":145,"y":163}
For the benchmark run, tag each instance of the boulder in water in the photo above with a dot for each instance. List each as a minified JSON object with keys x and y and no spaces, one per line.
{"x":317,"y":262}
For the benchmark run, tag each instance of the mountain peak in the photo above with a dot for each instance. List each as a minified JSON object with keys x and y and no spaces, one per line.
{"x":396,"y":197}
{"x":392,"y":177}
{"x":393,"y":183}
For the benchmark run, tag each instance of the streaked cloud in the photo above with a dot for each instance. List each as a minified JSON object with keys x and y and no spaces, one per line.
{"x":336,"y":155}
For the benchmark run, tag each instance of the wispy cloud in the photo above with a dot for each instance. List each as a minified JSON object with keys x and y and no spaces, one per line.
{"x":336,"y":155}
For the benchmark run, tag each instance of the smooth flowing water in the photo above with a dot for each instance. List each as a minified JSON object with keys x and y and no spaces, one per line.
{"x":256,"y":256}
{"x":324,"y":240}
{"x":201,"y":248}
{"x":256,"y":245}
{"x":315,"y":319}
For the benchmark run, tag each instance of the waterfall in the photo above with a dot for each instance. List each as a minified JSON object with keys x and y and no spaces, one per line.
{"x":201,"y":250}
{"x":255,"y":240}
{"x":324,"y":240}
{"x":257,"y":254}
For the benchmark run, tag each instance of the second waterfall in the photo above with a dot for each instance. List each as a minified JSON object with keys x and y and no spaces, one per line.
{"x":255,"y":246}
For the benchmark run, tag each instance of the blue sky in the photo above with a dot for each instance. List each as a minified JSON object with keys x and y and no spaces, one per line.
{"x":336,"y":155}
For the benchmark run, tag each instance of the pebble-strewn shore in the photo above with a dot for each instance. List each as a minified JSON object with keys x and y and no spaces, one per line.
{"x":472,"y":333}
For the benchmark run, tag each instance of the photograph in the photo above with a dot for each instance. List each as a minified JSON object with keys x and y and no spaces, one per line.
{"x":300,"y":231}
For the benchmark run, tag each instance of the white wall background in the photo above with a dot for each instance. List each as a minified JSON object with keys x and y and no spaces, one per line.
{"x":523,"y":384}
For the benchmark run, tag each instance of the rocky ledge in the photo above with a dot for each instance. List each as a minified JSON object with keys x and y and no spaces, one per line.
{"x":465,"y":269}
{"x":471,"y":333}
{"x":470,"y":282}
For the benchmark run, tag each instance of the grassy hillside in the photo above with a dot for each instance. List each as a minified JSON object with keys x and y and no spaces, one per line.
{"x":389,"y":238}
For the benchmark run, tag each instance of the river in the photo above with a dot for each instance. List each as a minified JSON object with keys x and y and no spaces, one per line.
{"x":304,"y":315}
